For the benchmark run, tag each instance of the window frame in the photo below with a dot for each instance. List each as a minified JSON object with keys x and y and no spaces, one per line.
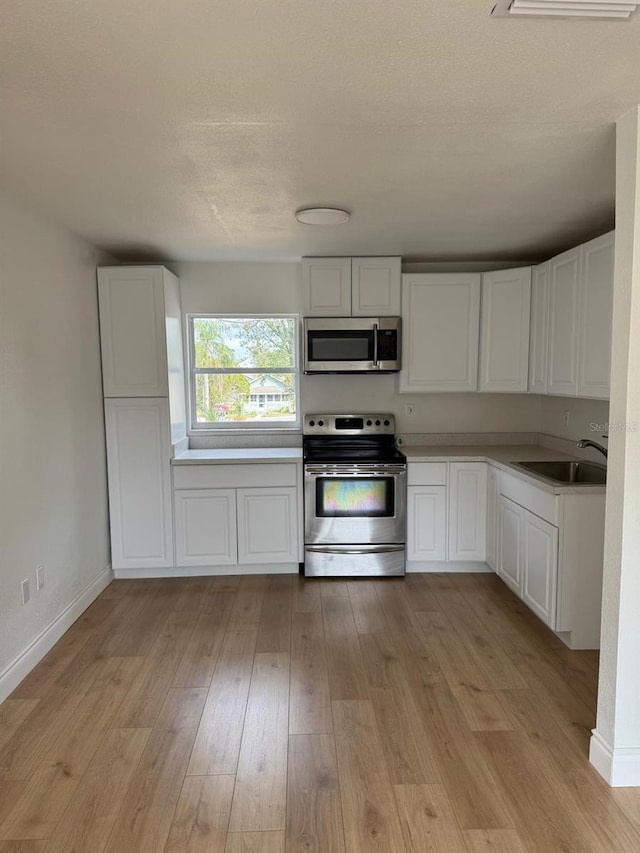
{"x":273,"y":426}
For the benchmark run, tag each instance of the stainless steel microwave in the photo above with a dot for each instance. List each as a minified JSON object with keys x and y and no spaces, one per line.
{"x":352,"y":344}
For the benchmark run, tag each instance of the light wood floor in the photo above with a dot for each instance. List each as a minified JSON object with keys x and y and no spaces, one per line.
{"x":272,"y":714}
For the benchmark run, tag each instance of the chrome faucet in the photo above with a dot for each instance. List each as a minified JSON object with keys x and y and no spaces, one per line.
{"x":586,"y":442}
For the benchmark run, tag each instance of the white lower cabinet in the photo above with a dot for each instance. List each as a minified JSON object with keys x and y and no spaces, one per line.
{"x":244,"y":525}
{"x":267,"y":525}
{"x":540,"y":567}
{"x":205,"y":522}
{"x":493,"y":493}
{"x":467,"y":511}
{"x":528,"y":558}
{"x":510,"y":521}
{"x":138,"y":446}
{"x":427,"y":523}
{"x":446,"y":513}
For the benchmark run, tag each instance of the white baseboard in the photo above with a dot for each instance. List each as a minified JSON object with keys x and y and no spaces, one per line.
{"x":44,"y":642}
{"x":454,"y":567}
{"x":206,"y":571}
{"x":620,"y":768}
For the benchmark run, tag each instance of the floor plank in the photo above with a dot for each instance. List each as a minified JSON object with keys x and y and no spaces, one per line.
{"x":314,"y":811}
{"x":260,"y":795}
{"x":92,"y":812}
{"x":202,"y":815}
{"x":151,"y":798}
{"x":493,"y":841}
{"x":369,"y":810}
{"x":217,"y":743}
{"x":255,"y":842}
{"x":309,"y":700}
{"x":198,"y":663}
{"x":274,"y":630}
{"x":428,"y":821}
{"x":347,"y":678}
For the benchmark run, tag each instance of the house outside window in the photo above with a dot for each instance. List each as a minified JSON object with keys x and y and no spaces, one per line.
{"x":243,"y":372}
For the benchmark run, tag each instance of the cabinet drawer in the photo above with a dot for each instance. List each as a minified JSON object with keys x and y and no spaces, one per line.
{"x":427,"y":474}
{"x":233,"y":476}
{"x":537,"y":501}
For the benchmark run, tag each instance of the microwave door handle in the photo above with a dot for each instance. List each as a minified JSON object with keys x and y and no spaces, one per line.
{"x":375,"y":344}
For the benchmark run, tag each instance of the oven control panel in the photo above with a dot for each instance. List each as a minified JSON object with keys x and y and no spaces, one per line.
{"x":368,"y":424}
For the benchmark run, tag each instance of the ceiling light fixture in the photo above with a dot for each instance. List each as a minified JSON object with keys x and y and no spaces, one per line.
{"x":565,"y":9}
{"x":322,"y":216}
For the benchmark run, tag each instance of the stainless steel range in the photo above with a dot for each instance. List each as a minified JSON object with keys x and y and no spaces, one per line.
{"x":355,"y":496}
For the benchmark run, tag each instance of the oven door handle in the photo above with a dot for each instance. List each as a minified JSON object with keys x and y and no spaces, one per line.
{"x":387,"y":549}
{"x":349,"y":472}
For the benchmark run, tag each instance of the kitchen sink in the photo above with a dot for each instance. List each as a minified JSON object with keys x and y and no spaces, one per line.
{"x":578,"y":472}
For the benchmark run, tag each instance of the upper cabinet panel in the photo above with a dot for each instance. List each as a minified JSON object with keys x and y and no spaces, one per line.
{"x":132,"y":331}
{"x":538,"y":343}
{"x":441,"y":320}
{"x":326,"y":284}
{"x":564,"y":296}
{"x":504,"y":347}
{"x":375,"y":287}
{"x":596,"y":298}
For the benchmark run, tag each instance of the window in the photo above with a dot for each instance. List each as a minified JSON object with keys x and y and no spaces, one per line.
{"x":244,"y":372}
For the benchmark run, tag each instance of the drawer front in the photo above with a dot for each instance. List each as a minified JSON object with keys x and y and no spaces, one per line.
{"x":427,"y":474}
{"x":233,"y":476}
{"x":537,"y":501}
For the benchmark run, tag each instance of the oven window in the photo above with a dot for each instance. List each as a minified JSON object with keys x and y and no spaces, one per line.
{"x":354,"y":497}
{"x":340,"y":346}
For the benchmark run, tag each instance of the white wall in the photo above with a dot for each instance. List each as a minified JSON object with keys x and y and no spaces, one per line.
{"x":53,"y":504}
{"x":583,"y":415}
{"x":276,"y":287}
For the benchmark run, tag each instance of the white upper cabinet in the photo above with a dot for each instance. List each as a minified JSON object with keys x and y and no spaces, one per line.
{"x":596,"y":298}
{"x":375,"y":287}
{"x":564,"y":305}
{"x":504,"y":334}
{"x":141,"y":337}
{"x":345,"y":287}
{"x":441,"y":321}
{"x":538,"y":343}
{"x":132,"y":325}
{"x":326,"y":285}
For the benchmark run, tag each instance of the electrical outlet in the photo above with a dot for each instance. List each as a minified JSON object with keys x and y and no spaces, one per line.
{"x":409,"y":409}
{"x":565,"y":418}
{"x":39,"y":577}
{"x":25,"y":595}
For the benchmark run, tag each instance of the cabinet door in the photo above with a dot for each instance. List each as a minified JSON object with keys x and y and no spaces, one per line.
{"x":441,"y":324}
{"x":132,"y":331}
{"x":326,"y":286}
{"x":205,"y":522}
{"x":504,"y":331}
{"x":138,"y":448}
{"x":493,"y":491}
{"x":427,"y":523}
{"x":564,"y":273}
{"x":467,"y":511}
{"x":510,"y":533}
{"x":540,"y":567}
{"x":267,"y":525}
{"x":596,"y":297}
{"x":538,"y":343}
{"x":375,"y":287}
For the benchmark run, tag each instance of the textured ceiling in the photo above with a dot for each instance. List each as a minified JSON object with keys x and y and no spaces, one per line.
{"x":193,"y":129}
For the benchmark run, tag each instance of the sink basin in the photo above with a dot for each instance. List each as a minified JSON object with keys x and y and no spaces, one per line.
{"x":587,"y":473}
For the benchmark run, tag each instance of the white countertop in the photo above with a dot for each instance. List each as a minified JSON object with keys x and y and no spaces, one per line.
{"x":502,"y":456}
{"x":238,"y":455}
